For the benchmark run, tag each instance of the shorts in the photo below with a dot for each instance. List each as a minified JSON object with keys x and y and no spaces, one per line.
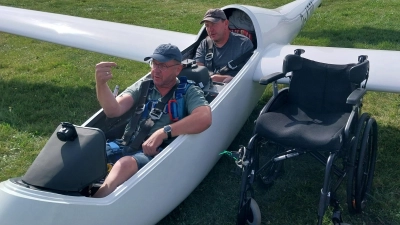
{"x":115,"y":151}
{"x":141,"y":159}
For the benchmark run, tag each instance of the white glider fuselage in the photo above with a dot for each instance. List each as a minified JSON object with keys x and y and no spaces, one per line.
{"x":170,"y":177}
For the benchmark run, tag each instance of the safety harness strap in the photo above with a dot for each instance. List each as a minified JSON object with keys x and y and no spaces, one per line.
{"x":233,"y":64}
{"x":146,"y":125}
{"x":210,"y":54}
{"x":140,"y":106}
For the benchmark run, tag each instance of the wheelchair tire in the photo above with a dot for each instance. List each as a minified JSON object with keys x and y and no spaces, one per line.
{"x":361,"y":160}
{"x":246,"y":189}
{"x":255,"y":218}
{"x":353,"y":159}
{"x":366,"y":164}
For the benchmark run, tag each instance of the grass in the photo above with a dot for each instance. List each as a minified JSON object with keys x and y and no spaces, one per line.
{"x":42,"y":84}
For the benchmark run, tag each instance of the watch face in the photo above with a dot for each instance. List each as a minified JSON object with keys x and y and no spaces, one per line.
{"x":167,"y":128}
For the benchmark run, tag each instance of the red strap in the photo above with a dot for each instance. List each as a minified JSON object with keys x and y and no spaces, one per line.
{"x":171,"y":116}
{"x":242,"y":32}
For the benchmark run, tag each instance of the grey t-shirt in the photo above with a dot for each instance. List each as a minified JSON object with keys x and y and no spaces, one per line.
{"x":236,"y":46}
{"x":194,"y":98}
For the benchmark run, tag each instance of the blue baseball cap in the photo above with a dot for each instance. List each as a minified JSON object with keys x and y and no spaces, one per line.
{"x":165,"y":53}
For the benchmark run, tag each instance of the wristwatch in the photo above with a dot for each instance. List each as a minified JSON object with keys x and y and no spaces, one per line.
{"x":168,"y":130}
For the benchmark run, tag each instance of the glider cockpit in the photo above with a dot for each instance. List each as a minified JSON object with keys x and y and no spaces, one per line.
{"x":42,"y":175}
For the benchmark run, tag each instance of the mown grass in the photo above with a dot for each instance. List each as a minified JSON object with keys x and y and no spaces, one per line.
{"x":42,"y":84}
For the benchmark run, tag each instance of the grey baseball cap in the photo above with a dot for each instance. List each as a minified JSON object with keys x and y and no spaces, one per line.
{"x":165,"y":53}
{"x":214,"y":15}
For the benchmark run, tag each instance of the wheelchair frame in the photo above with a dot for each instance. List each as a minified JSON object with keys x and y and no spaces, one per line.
{"x":358,"y":156}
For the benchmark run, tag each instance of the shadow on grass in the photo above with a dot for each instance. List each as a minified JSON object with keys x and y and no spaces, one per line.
{"x":38,"y":108}
{"x":294,"y":197}
{"x":349,"y":38}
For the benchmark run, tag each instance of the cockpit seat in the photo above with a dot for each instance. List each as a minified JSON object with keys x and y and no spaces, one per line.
{"x":195,"y":73}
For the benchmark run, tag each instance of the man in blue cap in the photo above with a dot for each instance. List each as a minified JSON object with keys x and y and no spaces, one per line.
{"x":165,"y":67}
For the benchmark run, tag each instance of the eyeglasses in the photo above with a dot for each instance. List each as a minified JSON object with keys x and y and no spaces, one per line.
{"x":160,"y":66}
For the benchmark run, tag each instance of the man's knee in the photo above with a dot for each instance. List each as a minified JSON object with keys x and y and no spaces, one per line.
{"x":126,"y":164}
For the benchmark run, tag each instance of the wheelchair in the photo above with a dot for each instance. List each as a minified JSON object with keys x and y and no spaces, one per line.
{"x":318,"y":113}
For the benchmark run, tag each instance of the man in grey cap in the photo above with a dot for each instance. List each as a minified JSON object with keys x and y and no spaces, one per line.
{"x":227,"y":46}
{"x":165,"y":66}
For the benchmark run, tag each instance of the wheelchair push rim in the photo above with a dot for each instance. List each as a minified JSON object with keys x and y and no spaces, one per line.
{"x":362,"y":164}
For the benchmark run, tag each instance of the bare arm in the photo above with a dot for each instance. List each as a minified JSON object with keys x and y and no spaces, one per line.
{"x":221,"y":78}
{"x":198,"y":121}
{"x":113,"y":107}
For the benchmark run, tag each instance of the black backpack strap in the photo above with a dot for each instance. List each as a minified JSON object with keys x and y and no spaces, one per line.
{"x":233,"y":64}
{"x":139,"y":108}
{"x":210,"y":54}
{"x":146,"y":125}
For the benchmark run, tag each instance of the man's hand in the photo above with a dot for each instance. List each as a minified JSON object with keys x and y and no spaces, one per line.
{"x":153,"y":142}
{"x":103,"y":72}
{"x":221,"y":78}
{"x":227,"y":80}
{"x":113,"y":107}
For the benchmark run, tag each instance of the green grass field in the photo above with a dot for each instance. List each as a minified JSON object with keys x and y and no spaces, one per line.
{"x":42,"y":84}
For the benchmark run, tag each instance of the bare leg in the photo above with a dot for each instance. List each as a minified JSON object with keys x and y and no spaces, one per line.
{"x":122,"y":170}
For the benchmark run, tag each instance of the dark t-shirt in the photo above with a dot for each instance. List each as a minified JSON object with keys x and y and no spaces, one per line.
{"x":236,"y":46}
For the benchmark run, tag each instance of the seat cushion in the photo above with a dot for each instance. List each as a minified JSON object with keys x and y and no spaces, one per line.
{"x":295,"y":127}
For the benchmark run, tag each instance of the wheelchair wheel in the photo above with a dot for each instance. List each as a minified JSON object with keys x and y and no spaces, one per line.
{"x":249,"y":214}
{"x":255,"y":217}
{"x":246,"y":189}
{"x":366,"y":164}
{"x":362,"y":164}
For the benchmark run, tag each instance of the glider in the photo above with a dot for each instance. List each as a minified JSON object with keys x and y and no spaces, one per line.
{"x":274,"y":30}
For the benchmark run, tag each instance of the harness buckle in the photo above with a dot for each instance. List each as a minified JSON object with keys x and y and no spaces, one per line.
{"x":209,"y":56}
{"x":230,"y":66}
{"x":140,"y":109}
{"x":155,"y":114}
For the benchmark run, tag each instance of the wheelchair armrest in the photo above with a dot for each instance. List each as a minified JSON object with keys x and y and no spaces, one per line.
{"x":356,"y":96}
{"x":271,"y":78}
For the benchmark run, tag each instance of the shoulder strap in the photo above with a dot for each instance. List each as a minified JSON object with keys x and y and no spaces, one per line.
{"x":182,"y":86}
{"x":210,"y":54}
{"x":176,"y":107}
{"x":139,"y":108}
{"x":233,"y":64}
{"x":110,"y":124}
{"x":146,"y":125}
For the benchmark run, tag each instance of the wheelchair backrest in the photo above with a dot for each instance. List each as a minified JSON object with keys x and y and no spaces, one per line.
{"x":322,"y":87}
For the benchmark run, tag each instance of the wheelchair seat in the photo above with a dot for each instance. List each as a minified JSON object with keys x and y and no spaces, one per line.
{"x":304,"y":129}
{"x":314,"y":112}
{"x":319,"y":114}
